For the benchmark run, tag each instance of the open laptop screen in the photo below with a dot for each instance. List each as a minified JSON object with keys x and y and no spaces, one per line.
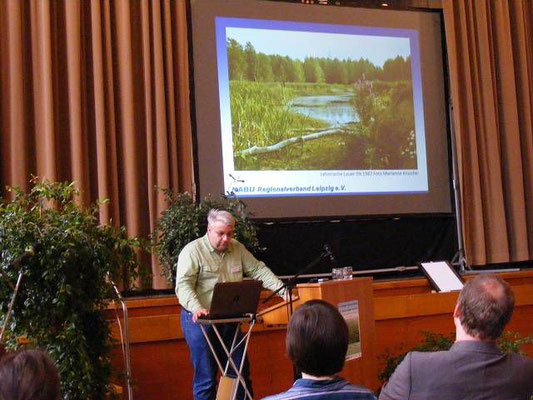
{"x":235,"y":299}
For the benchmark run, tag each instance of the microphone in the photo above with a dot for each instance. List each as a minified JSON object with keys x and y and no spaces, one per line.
{"x":26,"y":256}
{"x":328,"y":253}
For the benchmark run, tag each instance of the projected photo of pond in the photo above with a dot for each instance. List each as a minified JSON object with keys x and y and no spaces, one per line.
{"x":305,"y":100}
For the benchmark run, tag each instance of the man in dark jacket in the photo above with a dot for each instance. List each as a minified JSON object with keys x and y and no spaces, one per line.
{"x":474,"y":367}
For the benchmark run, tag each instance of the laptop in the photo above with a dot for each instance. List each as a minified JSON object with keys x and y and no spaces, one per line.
{"x":234,"y":299}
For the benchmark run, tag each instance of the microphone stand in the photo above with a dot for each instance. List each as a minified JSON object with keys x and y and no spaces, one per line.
{"x":11,"y":304}
{"x":291,"y":284}
{"x":126,"y":347}
{"x":18,"y":263}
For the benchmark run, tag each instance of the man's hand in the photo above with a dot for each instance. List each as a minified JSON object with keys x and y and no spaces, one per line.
{"x":202,"y":312}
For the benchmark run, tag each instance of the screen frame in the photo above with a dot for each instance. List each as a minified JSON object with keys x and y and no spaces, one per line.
{"x":205,"y":144}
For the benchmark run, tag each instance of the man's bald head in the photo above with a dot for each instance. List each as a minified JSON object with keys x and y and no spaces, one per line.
{"x":485,"y":306}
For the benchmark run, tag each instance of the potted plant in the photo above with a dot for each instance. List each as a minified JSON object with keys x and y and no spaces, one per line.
{"x":66,"y":285}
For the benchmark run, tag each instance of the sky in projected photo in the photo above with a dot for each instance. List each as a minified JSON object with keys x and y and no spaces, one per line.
{"x":300,"y":44}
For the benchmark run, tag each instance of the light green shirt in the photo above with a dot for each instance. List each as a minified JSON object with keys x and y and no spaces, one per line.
{"x":200,"y":267}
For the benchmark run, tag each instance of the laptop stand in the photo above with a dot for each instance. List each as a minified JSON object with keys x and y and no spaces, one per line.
{"x":227,"y":388}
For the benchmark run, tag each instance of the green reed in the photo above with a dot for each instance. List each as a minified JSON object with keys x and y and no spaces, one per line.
{"x":261,"y":115}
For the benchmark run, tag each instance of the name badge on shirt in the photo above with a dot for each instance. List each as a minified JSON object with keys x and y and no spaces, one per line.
{"x":235,"y":269}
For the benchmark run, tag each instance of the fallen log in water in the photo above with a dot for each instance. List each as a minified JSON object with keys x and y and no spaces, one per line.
{"x":287,"y":142}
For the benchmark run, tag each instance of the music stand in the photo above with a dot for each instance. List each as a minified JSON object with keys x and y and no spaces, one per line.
{"x":233,"y":385}
{"x":442,"y":276}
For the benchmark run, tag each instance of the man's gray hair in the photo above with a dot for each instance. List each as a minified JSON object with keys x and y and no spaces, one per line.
{"x":223,"y":216}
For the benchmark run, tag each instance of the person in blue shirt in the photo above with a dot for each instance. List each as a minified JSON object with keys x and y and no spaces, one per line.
{"x":317,"y":341}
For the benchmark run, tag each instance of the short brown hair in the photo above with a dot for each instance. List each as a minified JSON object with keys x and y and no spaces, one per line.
{"x":485,"y":306}
{"x":29,"y":375}
{"x":317,"y":339}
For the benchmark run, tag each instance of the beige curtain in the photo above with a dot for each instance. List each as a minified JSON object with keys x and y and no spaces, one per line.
{"x":97,"y":91}
{"x":490,"y":49}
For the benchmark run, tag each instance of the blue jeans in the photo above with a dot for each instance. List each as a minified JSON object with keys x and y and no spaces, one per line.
{"x":205,"y":366}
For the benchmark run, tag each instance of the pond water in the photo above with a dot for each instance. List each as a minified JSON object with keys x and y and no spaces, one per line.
{"x":334,"y":109}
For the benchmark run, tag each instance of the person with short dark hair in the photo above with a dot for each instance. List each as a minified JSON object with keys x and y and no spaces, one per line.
{"x":317,"y":342}
{"x":29,"y":375}
{"x":474,"y":367}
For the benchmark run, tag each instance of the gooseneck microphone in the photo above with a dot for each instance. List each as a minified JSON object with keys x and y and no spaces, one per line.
{"x":329,"y":254}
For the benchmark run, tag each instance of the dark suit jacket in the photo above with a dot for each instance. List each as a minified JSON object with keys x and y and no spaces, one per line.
{"x":470,"y":370}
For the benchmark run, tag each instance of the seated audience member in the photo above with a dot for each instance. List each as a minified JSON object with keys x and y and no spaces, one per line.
{"x":317,"y":341}
{"x":474,"y":367}
{"x":28,"y":375}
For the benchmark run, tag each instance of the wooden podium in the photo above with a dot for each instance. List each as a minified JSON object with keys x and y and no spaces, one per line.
{"x":354,"y":295}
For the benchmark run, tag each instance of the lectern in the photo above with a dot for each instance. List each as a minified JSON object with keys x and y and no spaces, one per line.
{"x":354,"y":299}
{"x":227,"y":388}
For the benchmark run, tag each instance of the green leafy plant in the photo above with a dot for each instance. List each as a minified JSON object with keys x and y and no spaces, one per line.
{"x":65,"y":285}
{"x":185,"y":220}
{"x":509,"y":342}
{"x":512,"y":342}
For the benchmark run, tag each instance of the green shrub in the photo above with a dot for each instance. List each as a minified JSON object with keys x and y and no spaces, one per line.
{"x":65,"y":286}
{"x":386,"y":114}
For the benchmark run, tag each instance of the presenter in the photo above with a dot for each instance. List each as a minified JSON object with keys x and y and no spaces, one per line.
{"x":215,"y":257}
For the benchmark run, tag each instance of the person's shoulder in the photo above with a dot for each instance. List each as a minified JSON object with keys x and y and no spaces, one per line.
{"x":237,"y":246}
{"x":521,"y":360}
{"x":350,"y":392}
{"x":428,"y":355}
{"x":335,"y":389}
{"x":421,"y":360}
{"x":422,"y":357}
{"x":279,"y":396}
{"x":235,"y":242}
{"x":356,"y":391}
{"x":193,"y":245}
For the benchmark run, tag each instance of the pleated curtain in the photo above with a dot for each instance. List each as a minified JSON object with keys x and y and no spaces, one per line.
{"x":490,"y":51}
{"x":97,"y":91}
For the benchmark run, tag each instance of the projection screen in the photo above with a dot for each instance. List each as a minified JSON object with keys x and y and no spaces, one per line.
{"x":320,"y":111}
